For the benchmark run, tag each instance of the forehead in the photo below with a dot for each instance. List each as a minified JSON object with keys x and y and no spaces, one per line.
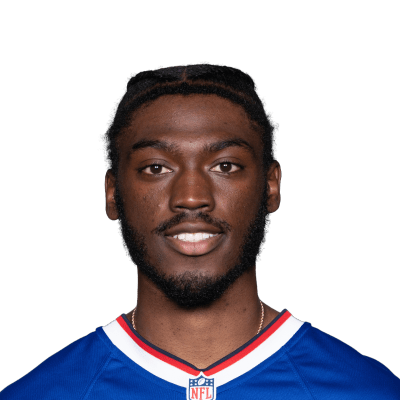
{"x":194,"y":118}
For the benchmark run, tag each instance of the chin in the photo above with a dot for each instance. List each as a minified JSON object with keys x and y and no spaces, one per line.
{"x":193,"y":289}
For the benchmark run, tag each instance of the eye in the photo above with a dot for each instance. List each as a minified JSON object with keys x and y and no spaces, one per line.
{"x":226,"y":167}
{"x":156,"y":169}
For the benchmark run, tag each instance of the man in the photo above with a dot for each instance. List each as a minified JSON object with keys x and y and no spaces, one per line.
{"x":192,"y":180}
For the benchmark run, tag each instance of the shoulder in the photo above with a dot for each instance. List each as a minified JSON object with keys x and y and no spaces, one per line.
{"x":65,"y":375}
{"x":332,"y":369}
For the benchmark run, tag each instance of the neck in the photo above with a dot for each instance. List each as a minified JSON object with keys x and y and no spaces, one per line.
{"x":219,"y":328}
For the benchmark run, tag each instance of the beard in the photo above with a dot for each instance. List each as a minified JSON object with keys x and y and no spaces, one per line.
{"x":192,"y":290}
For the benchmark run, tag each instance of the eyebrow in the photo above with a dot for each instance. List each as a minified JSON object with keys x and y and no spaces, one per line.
{"x":208,"y":148}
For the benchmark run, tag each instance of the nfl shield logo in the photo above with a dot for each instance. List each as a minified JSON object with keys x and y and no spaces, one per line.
{"x":201,"y":388}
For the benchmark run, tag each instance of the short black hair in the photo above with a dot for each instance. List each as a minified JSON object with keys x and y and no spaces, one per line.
{"x":226,"y":82}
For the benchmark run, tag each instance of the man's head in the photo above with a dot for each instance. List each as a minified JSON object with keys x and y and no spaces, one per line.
{"x":192,"y":178}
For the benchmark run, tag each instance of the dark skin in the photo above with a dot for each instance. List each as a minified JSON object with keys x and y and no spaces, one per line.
{"x":194,"y":176}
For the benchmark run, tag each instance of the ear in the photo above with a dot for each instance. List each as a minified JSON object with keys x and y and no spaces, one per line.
{"x":111,"y":207}
{"x":274,"y":186}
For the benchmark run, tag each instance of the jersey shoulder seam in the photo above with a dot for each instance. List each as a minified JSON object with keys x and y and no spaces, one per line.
{"x":96,"y":376}
{"x":303,"y":381}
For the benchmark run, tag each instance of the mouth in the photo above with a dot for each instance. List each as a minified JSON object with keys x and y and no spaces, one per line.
{"x":194,"y":244}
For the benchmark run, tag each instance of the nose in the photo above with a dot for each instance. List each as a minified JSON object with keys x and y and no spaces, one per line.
{"x":192,"y":190}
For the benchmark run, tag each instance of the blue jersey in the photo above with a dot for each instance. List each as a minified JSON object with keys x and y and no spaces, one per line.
{"x":288,"y":359}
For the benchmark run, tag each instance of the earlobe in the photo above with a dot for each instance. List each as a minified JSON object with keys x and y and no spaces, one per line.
{"x":274,"y":186}
{"x":110,"y":185}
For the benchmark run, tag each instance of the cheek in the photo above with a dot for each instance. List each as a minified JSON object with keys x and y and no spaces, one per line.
{"x":240,"y":205}
{"x":145,"y":206}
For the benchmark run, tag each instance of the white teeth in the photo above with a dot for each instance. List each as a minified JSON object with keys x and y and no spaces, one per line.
{"x":194,"y":237}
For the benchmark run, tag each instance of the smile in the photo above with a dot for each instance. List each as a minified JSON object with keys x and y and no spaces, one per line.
{"x":194,"y":244}
{"x":194,"y":237}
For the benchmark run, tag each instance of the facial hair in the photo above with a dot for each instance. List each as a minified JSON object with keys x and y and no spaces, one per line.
{"x":190,"y":290}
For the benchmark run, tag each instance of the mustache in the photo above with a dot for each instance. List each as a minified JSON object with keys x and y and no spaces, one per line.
{"x":186,"y":217}
{"x":176,"y":219}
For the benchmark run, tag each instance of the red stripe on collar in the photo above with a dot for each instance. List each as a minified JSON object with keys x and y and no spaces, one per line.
{"x":220,"y":366}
